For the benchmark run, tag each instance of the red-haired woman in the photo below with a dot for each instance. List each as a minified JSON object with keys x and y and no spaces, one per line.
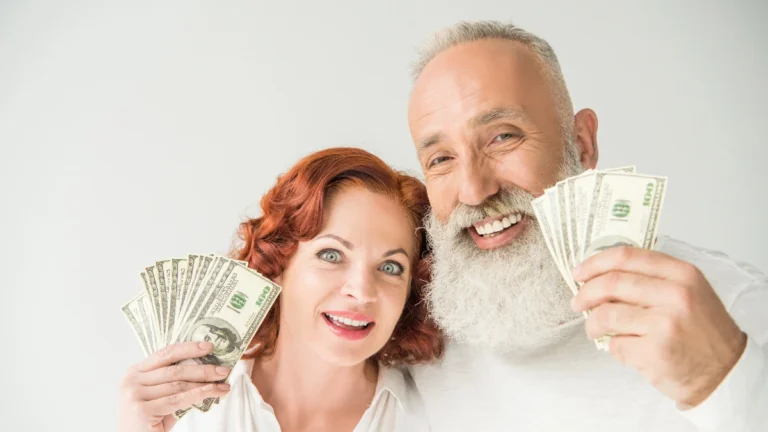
{"x":340,"y":232}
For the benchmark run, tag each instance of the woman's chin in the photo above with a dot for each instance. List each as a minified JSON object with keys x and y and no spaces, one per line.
{"x":346,"y":353}
{"x":344,"y":356}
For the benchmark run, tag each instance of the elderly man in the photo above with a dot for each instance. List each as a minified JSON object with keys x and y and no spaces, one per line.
{"x":493,"y":126}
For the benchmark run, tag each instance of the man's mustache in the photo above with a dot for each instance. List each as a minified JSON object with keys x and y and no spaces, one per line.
{"x":506,"y":201}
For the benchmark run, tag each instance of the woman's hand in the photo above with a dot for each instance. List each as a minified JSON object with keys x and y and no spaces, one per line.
{"x":156,"y":387}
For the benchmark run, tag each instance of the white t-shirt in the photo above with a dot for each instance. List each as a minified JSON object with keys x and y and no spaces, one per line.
{"x":574,"y":387}
{"x":395,"y":407}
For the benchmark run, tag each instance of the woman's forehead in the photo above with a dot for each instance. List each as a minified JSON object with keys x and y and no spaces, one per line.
{"x":361,"y":216}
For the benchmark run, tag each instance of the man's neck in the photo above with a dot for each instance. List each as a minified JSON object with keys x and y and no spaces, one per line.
{"x":305,"y":389}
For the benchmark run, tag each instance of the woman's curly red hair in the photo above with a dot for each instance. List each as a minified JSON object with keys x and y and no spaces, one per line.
{"x":292,"y":211}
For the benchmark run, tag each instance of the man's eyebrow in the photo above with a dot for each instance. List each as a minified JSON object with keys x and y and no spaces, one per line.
{"x":490,"y":116}
{"x":481,"y":119}
{"x":430,"y":141}
{"x":346,"y":243}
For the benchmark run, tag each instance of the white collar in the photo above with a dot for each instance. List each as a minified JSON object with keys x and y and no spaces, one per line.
{"x":391,"y":379}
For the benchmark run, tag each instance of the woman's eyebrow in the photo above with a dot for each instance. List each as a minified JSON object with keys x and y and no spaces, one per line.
{"x":396,"y":251}
{"x":350,"y":246}
{"x":346,"y":243}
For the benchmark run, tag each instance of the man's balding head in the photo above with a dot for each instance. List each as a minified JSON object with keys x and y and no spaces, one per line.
{"x":465,"y":32}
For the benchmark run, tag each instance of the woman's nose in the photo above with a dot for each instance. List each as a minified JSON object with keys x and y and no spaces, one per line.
{"x":360,"y":285}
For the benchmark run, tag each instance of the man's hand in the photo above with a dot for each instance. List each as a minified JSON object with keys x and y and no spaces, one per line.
{"x":668,"y":322}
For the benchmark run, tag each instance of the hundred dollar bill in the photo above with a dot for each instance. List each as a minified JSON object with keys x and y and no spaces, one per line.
{"x":149,"y":309}
{"x":581,"y":188}
{"x":203,"y":266}
{"x":194,"y":262}
{"x":540,"y":210}
{"x":184,"y":297}
{"x":133,"y":315}
{"x":244,"y":264}
{"x":230,"y":316}
{"x":177,"y":269}
{"x":562,"y":205}
{"x":163,"y":284}
{"x":570,"y":217}
{"x":578,"y":192}
{"x":198,"y":267}
{"x":150,"y":282}
{"x":625,"y":210}
{"x":193,"y":265}
{"x":553,"y":215}
{"x":203,"y":288}
{"x":150,"y":324}
{"x":208,"y":287}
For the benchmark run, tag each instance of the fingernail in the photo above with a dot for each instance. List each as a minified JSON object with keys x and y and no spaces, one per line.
{"x":576,"y":273}
{"x":221,"y":370}
{"x":205,"y":345}
{"x":223,"y":386}
{"x":209,"y":387}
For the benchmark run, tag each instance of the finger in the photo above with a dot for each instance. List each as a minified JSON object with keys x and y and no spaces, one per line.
{"x":174,"y":353}
{"x":635,"y":260}
{"x":182,"y":372}
{"x":630,"y":288}
{"x":630,"y":350}
{"x":169,"y":404}
{"x":618,"y":319}
{"x":150,"y":393}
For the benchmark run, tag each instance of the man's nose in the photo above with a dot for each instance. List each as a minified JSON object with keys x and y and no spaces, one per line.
{"x":360,"y":285}
{"x":477,"y":181}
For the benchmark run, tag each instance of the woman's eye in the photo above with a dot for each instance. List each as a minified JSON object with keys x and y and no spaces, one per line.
{"x":330,"y":255}
{"x":392,"y":268}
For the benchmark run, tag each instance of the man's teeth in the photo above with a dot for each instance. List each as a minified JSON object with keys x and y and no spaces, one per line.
{"x":347,"y":321}
{"x":498,"y":225}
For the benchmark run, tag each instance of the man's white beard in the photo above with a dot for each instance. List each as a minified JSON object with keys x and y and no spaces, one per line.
{"x":507,"y":299}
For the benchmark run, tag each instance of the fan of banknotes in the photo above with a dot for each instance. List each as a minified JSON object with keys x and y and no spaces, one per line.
{"x":201,"y":298}
{"x":596,"y":210}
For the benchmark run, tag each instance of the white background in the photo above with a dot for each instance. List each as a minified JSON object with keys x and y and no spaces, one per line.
{"x":143,"y":130}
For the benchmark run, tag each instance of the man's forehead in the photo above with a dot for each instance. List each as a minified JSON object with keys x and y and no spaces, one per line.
{"x":470,"y":79}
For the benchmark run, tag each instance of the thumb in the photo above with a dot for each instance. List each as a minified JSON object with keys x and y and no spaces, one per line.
{"x":167,"y":424}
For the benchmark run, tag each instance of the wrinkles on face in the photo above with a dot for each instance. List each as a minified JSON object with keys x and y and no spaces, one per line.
{"x":483,"y":117}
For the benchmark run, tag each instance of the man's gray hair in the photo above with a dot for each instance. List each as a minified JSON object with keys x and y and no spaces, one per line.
{"x":469,"y":31}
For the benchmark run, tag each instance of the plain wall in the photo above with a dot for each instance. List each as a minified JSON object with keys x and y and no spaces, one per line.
{"x":140,"y":130}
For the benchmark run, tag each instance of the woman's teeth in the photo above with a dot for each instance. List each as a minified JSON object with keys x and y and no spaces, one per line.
{"x":488,"y":229}
{"x":347,"y":321}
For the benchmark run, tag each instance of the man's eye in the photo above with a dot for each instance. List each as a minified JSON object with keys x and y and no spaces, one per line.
{"x":504,"y":137}
{"x":330,"y":255}
{"x":207,"y":338}
{"x":437,"y":160}
{"x":392,"y":268}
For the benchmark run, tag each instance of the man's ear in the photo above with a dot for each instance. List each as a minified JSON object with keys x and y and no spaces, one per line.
{"x":585,"y":134}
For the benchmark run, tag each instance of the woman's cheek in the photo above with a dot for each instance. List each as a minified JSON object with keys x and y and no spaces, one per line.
{"x":395,"y":305}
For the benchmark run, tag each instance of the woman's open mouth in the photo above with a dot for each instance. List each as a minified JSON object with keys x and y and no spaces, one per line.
{"x":347,"y":328}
